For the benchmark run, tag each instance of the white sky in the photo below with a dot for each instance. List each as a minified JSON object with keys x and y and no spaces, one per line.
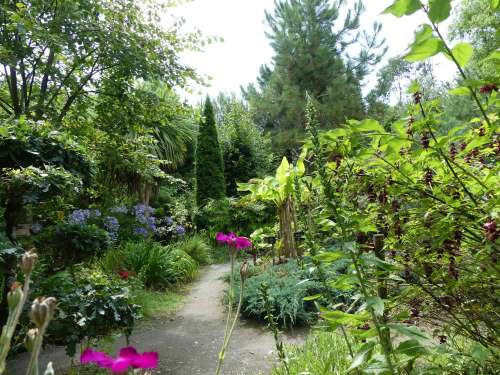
{"x":241,"y":23}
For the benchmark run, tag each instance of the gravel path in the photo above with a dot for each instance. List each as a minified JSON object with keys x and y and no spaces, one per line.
{"x":188,"y":343}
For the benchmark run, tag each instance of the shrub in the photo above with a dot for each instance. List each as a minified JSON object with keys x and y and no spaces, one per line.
{"x":155,"y":265}
{"x":198,"y":248}
{"x":288,"y":285}
{"x":66,"y":243}
{"x":90,"y":304}
{"x":323,"y":353}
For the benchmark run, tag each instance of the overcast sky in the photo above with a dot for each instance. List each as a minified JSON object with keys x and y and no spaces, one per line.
{"x":241,"y":23}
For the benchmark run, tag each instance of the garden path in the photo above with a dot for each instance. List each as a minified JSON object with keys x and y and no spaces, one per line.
{"x":188,"y":342}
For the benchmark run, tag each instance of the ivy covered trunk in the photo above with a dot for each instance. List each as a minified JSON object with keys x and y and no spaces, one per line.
{"x":286,"y":221}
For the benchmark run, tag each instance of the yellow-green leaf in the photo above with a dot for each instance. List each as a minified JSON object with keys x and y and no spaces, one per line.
{"x":461,"y":91}
{"x":370,"y":125}
{"x":494,"y":4}
{"x":403,"y":7}
{"x":439,"y":10}
{"x":421,"y":51}
{"x":462,"y":52}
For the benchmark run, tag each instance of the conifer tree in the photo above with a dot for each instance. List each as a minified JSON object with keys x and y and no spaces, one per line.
{"x":310,"y":42}
{"x":209,"y":165}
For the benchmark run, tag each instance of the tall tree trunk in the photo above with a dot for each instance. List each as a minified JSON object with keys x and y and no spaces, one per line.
{"x":286,"y":222}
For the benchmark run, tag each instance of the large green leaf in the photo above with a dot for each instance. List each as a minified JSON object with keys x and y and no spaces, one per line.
{"x":376,"y":304}
{"x":411,"y":332}
{"x":411,"y":348}
{"x":439,"y":10}
{"x":462,"y":52}
{"x":495,"y":4}
{"x":283,"y":171}
{"x":423,"y":50}
{"x":403,"y":7}
{"x":362,"y":356}
{"x":370,"y":125}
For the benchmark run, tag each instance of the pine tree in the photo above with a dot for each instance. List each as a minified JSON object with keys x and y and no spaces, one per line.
{"x":209,"y":165}
{"x":310,"y":41}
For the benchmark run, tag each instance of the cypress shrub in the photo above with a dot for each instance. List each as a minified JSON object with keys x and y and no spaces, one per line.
{"x":210,"y":182}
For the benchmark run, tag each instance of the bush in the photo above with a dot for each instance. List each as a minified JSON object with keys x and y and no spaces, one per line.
{"x":198,"y":248}
{"x":323,"y":353}
{"x":288,"y":285}
{"x":155,"y":265}
{"x":90,"y":304}
{"x":65,"y":244}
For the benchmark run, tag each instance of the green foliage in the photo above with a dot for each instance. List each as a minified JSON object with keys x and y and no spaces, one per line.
{"x":476,"y":21}
{"x":209,"y":165}
{"x":91,"y":304}
{"x":126,"y":42}
{"x":323,"y":353}
{"x":65,"y":244}
{"x":288,"y":285}
{"x":246,"y":150}
{"x":197,"y":248}
{"x":155,"y":265}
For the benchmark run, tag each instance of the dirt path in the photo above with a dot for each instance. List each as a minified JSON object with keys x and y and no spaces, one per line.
{"x":188,"y":343}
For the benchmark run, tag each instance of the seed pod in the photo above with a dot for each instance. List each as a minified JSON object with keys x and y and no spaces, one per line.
{"x":15,"y":296}
{"x":28,"y":261}
{"x":42,"y":310}
{"x":244,"y":270}
{"x":31,"y":336}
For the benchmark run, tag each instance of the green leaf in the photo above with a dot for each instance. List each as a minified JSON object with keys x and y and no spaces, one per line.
{"x":439,"y":10}
{"x":460,"y":91}
{"x":283,"y":171}
{"x":329,"y":257}
{"x":377,"y":304}
{"x":495,"y":55}
{"x":370,"y":125}
{"x":479,"y":353}
{"x":494,"y":4}
{"x":344,"y":282}
{"x":403,"y":7}
{"x":462,"y":52}
{"x":362,"y":356}
{"x":423,"y":50}
{"x":336,"y":318}
{"x":411,"y":348}
{"x":312,"y":298}
{"x":411,"y":332}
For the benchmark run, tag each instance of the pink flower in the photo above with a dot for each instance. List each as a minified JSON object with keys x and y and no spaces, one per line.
{"x":128,"y":357}
{"x":233,"y":241}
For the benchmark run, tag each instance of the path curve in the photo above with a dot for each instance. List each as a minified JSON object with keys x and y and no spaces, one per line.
{"x":188,"y":342}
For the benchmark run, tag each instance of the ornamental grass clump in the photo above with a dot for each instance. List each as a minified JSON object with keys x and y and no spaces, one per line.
{"x":234,"y":244}
{"x":41,"y":313}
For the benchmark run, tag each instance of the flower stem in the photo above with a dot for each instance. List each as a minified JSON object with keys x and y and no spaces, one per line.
{"x":229,"y":328}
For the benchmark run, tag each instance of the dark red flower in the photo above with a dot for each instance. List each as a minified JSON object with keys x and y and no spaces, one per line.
{"x":124,"y":274}
{"x":490,"y":229}
{"x":488,"y":88}
{"x":417,"y":97}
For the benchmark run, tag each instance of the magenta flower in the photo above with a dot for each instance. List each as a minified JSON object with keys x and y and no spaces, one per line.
{"x":128,"y":357}
{"x":233,"y":241}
